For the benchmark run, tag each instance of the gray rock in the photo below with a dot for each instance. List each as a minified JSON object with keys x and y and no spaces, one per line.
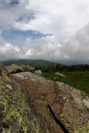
{"x":78,"y":100}
{"x":9,"y":87}
{"x":28,"y":68}
{"x":86,"y":102}
{"x":32,"y":76}
{"x":61,"y":84}
{"x":60,"y":74}
{"x":39,"y":72}
{"x":75,"y":110}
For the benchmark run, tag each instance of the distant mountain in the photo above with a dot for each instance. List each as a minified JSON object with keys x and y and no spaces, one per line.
{"x":34,"y":63}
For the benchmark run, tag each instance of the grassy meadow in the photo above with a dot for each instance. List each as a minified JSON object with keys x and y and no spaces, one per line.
{"x":77,"y":79}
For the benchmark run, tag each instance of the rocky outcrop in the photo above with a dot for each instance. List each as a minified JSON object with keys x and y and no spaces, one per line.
{"x":30,"y":103}
{"x":68,"y":106}
{"x":14,"y":69}
{"x":28,"y":68}
{"x":15,"y":109}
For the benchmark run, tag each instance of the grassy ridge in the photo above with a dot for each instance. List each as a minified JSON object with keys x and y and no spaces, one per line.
{"x":34,"y":63}
{"x":79,"y":80}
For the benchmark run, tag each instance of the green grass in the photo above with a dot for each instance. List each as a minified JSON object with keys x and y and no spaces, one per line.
{"x":77,"y":79}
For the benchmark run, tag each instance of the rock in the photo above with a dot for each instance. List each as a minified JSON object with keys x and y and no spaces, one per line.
{"x":60,"y":74}
{"x":30,"y":76}
{"x":86,"y":102}
{"x":75,"y":110}
{"x":56,"y":77}
{"x":15,"y":109}
{"x":39,"y":72}
{"x":9,"y":86}
{"x":30,"y":103}
{"x":61,"y":84}
{"x":64,"y":103}
{"x":3,"y":70}
{"x":43,"y":97}
{"x":28,"y":68}
{"x":14,"y":69}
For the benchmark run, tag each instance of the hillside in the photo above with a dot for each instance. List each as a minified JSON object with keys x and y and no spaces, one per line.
{"x":34,"y":63}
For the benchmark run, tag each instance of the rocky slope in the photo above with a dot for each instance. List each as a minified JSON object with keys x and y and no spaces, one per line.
{"x":31,"y":104}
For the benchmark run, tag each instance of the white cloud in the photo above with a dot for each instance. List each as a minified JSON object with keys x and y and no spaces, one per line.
{"x":56,"y":17}
{"x":10,"y":14}
{"x":45,"y":48}
{"x":67,"y":22}
{"x":75,"y":48}
{"x":14,"y":49}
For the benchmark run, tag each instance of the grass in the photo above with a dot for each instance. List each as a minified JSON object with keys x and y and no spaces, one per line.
{"x":77,"y":79}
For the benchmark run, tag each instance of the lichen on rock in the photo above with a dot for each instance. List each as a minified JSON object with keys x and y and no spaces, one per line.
{"x":31,"y":104}
{"x":15,"y":112}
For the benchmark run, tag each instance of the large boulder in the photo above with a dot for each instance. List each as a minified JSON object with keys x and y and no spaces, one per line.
{"x":31,"y":104}
{"x":28,"y":68}
{"x":14,"y":69}
{"x":42,"y":95}
{"x":15,"y":108}
{"x":58,"y":104}
{"x":75,"y":111}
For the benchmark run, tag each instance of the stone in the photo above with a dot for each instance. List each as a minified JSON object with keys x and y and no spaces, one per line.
{"x":74,"y":113}
{"x":56,"y":77}
{"x":43,"y":97}
{"x":60,"y":74}
{"x":66,"y":104}
{"x":78,"y":100}
{"x":14,"y":69}
{"x":31,"y":76}
{"x":15,"y":109}
{"x":39,"y":72}
{"x":9,"y":86}
{"x":28,"y":68}
{"x":61,"y":84}
{"x":86,"y":102}
{"x":41,"y":106}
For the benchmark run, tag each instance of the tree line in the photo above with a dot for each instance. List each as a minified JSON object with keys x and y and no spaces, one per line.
{"x":59,"y":67}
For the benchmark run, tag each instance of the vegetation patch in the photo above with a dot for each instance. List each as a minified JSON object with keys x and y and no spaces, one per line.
{"x":77,"y":79}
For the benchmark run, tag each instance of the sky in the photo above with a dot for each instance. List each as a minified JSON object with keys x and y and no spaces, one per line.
{"x":55,"y":30}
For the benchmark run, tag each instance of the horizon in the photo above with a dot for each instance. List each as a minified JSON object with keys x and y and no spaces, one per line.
{"x":48,"y":30}
{"x":68,"y":63}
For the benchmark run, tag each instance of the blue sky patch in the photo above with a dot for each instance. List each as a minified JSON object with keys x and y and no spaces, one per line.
{"x":11,"y":34}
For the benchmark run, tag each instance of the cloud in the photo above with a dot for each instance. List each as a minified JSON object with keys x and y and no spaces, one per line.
{"x":65,"y":25}
{"x":11,"y":13}
{"x":13,"y":49}
{"x":45,"y":48}
{"x":63,"y":18}
{"x":77,"y":47}
{"x":49,"y":47}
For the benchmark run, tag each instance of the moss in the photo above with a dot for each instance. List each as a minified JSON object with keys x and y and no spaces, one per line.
{"x":16,"y":108}
{"x":7,"y":78}
{"x":47,"y":131}
{"x":88,"y":125}
{"x":39,"y":101}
